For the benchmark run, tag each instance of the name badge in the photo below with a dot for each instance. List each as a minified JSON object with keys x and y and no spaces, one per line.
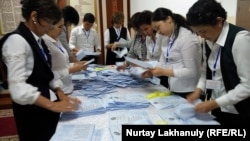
{"x":213,"y":84}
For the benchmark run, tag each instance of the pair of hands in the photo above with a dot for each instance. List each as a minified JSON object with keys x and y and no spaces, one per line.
{"x":202,"y":107}
{"x":113,"y":46}
{"x":66,"y":103}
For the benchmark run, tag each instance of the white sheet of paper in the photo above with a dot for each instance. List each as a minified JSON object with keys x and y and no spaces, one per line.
{"x":122,"y":41}
{"x":144,"y":64}
{"x":121,"y":53}
{"x":81,"y":54}
{"x":76,"y":132}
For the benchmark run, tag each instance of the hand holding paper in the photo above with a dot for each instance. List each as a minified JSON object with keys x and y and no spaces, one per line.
{"x":143,"y":64}
{"x":88,"y":62}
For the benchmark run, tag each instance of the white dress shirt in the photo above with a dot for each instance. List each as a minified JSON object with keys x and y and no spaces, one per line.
{"x":82,"y":39}
{"x":18,"y":56}
{"x":184,"y":57}
{"x":60,"y":63}
{"x":240,"y":51}
{"x":154,"y":47}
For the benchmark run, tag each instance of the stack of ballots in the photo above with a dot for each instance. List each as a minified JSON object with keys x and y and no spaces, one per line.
{"x":116,"y":101}
{"x":93,"y":88}
{"x":121,"y":79}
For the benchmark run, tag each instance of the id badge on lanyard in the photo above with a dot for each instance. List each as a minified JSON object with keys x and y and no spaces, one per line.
{"x":214,"y":84}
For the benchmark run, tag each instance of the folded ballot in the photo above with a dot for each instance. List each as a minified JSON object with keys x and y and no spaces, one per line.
{"x":143,"y":64}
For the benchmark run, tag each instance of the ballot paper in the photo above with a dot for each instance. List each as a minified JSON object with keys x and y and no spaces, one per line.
{"x":170,"y":101}
{"x":143,"y":64}
{"x":74,"y":132}
{"x":82,"y":53}
{"x":185,"y":114}
{"x":88,"y":107}
{"x":119,"y":118}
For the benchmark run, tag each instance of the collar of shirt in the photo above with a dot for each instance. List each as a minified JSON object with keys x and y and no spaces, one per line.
{"x":35,"y":36}
{"x":47,"y":37}
{"x":222,"y":37}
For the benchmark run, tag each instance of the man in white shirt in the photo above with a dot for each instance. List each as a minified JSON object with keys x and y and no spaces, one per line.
{"x":85,"y":38}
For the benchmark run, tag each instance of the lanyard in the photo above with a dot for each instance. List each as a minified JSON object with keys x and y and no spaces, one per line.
{"x":153,"y":48}
{"x":171,"y":42}
{"x":60,"y":48}
{"x":86,"y":33}
{"x":39,"y":41}
{"x":216,"y":60}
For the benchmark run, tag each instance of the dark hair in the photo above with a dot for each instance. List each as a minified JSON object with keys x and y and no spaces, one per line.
{"x":89,"y":17}
{"x":70,"y":15}
{"x":160,"y":14}
{"x":205,"y":12}
{"x":143,"y":18}
{"x":44,"y":8}
{"x":133,"y":20}
{"x":117,"y":17}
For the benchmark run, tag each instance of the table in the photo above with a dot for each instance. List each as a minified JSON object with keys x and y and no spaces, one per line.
{"x":101,"y":121}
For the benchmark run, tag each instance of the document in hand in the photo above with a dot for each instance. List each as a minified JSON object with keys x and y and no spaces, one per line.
{"x":143,"y":64}
{"x":122,"y":52}
{"x":81,"y":54}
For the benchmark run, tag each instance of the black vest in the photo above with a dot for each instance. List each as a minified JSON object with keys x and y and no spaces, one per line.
{"x":113,"y":36}
{"x":229,"y":69}
{"x":111,"y":56}
{"x":41,"y":74}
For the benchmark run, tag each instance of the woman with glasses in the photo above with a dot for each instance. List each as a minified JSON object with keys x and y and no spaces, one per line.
{"x":37,"y":100}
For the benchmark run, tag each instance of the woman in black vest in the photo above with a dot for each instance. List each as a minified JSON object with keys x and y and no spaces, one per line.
{"x":37,"y":100}
{"x":114,"y":34}
{"x":226,"y":61}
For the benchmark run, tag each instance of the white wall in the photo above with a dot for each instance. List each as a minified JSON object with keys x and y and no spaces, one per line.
{"x":179,"y":6}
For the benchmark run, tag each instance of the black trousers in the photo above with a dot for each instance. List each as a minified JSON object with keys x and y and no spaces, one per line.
{"x":231,"y":119}
{"x":35,"y":123}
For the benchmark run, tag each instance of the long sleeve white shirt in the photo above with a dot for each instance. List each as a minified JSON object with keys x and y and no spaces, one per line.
{"x":82,"y":39}
{"x":18,"y":56}
{"x":60,"y":63}
{"x":184,"y":58}
{"x":240,"y":51}
{"x":154,"y":47}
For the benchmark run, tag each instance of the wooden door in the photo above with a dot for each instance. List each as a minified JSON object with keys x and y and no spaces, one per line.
{"x":243,"y":14}
{"x":113,"y":6}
